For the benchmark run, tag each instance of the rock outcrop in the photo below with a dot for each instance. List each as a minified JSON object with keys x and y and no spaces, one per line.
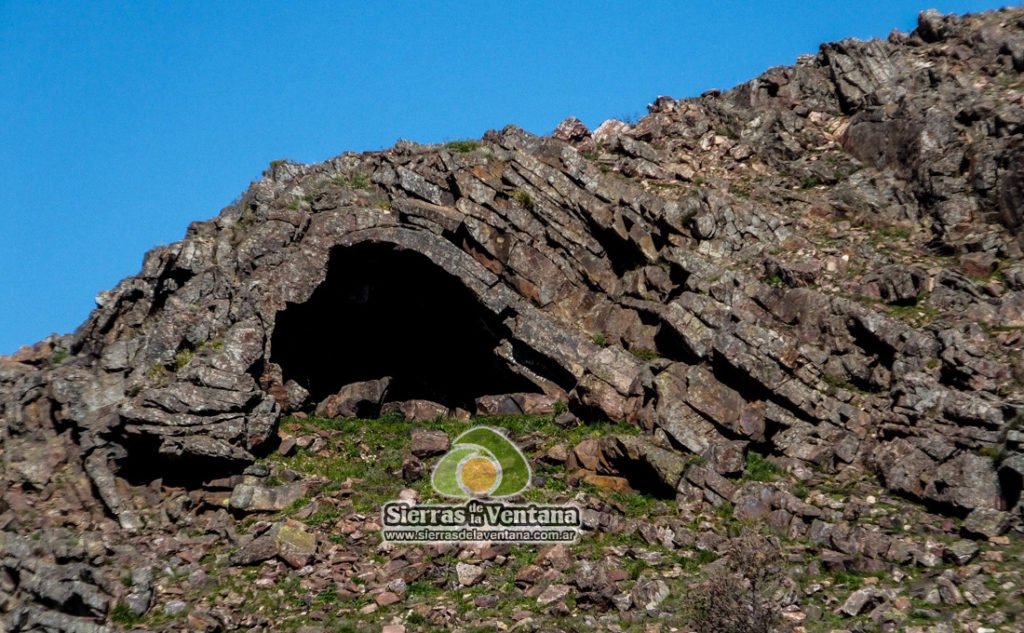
{"x":822,"y":266}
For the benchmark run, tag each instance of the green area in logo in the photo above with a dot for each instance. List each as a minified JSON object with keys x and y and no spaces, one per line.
{"x":481,"y":463}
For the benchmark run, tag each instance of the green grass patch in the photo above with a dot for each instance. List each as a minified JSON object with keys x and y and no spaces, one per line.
{"x":59,"y":356}
{"x":352,"y":181}
{"x":760,"y":469}
{"x":524,"y":199}
{"x":183,"y":358}
{"x":122,"y":614}
{"x":810,"y":182}
{"x":894,"y":232}
{"x":634,"y":504}
{"x":463,"y":147}
{"x":373,"y":450}
{"x":919,"y":311}
{"x":644,"y":353}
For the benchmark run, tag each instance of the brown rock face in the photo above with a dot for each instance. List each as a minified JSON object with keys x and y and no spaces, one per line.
{"x":823,"y":263}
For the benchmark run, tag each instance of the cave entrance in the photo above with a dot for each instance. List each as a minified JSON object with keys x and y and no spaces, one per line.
{"x":387,"y":311}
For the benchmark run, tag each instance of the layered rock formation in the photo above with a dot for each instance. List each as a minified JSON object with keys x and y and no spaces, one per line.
{"x":822,"y":266}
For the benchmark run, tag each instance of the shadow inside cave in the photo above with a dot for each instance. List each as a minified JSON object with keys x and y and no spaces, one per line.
{"x":386,"y":311}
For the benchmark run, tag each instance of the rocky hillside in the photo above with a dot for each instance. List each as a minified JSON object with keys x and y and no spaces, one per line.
{"x":770,"y":339}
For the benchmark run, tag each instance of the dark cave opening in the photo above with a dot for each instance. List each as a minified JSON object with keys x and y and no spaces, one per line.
{"x":643,"y":477}
{"x":139,"y":456}
{"x":386,"y":311}
{"x":1011,"y":484}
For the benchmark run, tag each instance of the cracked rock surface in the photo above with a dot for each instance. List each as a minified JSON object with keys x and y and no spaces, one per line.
{"x":821,"y":267}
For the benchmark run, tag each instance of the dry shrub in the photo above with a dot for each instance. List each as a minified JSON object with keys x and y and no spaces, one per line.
{"x":738,"y":597}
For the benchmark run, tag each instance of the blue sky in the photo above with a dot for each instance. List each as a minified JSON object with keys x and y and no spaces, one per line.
{"x":122,"y":122}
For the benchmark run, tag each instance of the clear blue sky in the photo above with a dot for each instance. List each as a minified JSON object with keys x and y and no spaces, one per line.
{"x":122,"y":122}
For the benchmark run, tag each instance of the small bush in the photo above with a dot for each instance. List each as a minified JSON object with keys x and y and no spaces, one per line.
{"x":214,"y":344}
{"x":352,"y":181}
{"x":524,"y":198}
{"x":740,"y":596}
{"x":810,"y":182}
{"x":156,"y":372}
{"x":644,"y":353}
{"x":800,"y":490}
{"x":183,"y":358}
{"x":59,"y":356}
{"x":121,"y":614}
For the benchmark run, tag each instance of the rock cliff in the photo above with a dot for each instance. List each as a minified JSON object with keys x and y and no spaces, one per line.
{"x":820,"y":267}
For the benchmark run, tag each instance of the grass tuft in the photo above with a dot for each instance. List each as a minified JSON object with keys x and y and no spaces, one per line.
{"x":463,"y":147}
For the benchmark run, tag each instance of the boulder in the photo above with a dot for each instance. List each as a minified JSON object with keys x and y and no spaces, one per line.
{"x":428,"y":442}
{"x":637,"y":459}
{"x":355,"y":400}
{"x":256,"y":498}
{"x":417,"y":410}
{"x":985,"y":523}
{"x":649,"y":593}
{"x":288,"y":540}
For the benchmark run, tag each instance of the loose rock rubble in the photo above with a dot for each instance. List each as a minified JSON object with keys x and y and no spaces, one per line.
{"x":800,"y":302}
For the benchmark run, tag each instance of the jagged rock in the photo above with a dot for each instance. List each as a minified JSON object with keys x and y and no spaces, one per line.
{"x":175,"y":608}
{"x":986,"y":522}
{"x":427,"y":442}
{"x":606,"y":482}
{"x":417,"y":410}
{"x":556,"y":455}
{"x":516,"y":404}
{"x":289,"y":541}
{"x":821,"y":264}
{"x":356,"y":400}
{"x":638,"y":458}
{"x":255,"y":498}
{"x":858,"y":601}
{"x":726,"y":458}
{"x":557,"y":556}
{"x":586,"y":455}
{"x":138,"y":603}
{"x":898,"y":284}
{"x":140,"y":599}
{"x":962,"y":552}
{"x":948,"y":591}
{"x":412,"y":468}
{"x":719,"y":403}
{"x":649,"y":593}
{"x":571,"y":130}
{"x":469,"y":575}
{"x":295,"y":545}
{"x":553,"y":593}
{"x":753,"y":501}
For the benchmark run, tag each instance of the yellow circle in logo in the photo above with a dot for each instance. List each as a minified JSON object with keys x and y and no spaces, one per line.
{"x":479,"y":475}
